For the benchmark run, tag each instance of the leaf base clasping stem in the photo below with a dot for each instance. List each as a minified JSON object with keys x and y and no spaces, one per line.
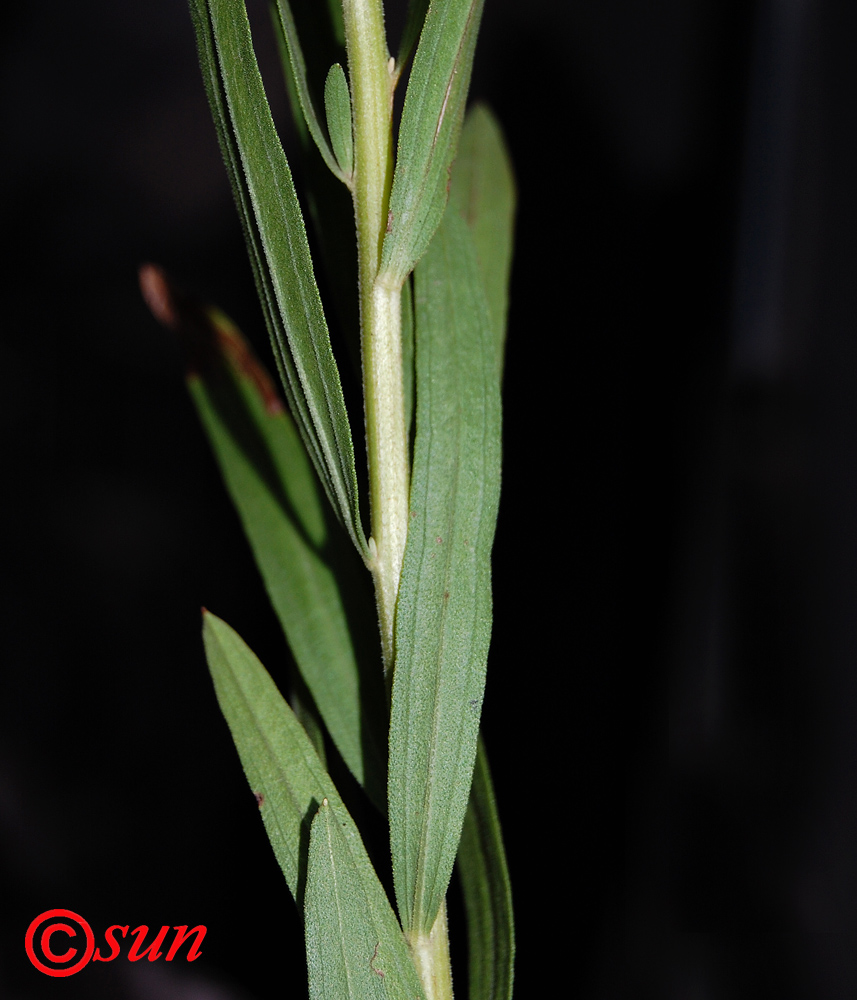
{"x":430,"y":953}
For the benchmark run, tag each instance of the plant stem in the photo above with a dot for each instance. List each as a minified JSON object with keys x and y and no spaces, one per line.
{"x":430,"y":953}
{"x":371,"y":79}
{"x":387,"y":445}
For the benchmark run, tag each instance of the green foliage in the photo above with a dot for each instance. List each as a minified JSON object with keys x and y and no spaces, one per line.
{"x":428,"y":136}
{"x":483,"y":192}
{"x":297,"y":545}
{"x":412,"y":745}
{"x":355,"y":947}
{"x":337,"y":104}
{"x":282,"y":767}
{"x":487,"y":892}
{"x":443,"y":624}
{"x":280,"y":250}
{"x":298,"y":71}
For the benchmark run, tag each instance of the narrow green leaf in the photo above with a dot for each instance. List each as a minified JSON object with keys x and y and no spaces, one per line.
{"x":278,"y":249}
{"x":290,"y":784}
{"x":487,"y":891}
{"x":443,"y":620}
{"x":483,"y":192}
{"x":313,"y":578}
{"x":330,"y":207}
{"x":282,"y":768}
{"x":229,"y":149}
{"x":355,"y":947}
{"x":428,"y":135}
{"x":337,"y":105}
{"x":297,"y":67}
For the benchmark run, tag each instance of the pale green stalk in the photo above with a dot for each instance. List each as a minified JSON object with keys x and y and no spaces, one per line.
{"x":430,"y":953}
{"x":371,"y":72}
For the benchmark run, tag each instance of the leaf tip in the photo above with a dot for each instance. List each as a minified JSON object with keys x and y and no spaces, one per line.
{"x":206,"y":334}
{"x":177,"y":311}
{"x":158,"y":294}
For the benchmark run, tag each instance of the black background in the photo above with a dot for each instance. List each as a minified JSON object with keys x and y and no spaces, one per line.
{"x":672,"y":689}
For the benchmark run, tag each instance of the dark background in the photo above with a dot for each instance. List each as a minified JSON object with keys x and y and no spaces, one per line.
{"x":672,"y":691}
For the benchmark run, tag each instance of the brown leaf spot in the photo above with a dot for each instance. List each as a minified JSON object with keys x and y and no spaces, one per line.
{"x":260,"y":798}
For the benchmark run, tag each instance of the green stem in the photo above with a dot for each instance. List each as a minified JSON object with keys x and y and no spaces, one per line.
{"x":387,"y":445}
{"x":371,"y":77}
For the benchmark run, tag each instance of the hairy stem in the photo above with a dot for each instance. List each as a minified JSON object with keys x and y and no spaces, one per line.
{"x":371,"y":78}
{"x":387,"y":444}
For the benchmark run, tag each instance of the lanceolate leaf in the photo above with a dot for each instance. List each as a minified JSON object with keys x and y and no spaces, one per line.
{"x":290,"y":784}
{"x":228,"y":147}
{"x":329,"y":205}
{"x":443,"y":620}
{"x":282,"y":768}
{"x":483,"y":192}
{"x":337,"y":105}
{"x":355,"y":948}
{"x":487,"y":892}
{"x":311,"y":573}
{"x":297,"y":66}
{"x":428,"y":134}
{"x":278,"y":249}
